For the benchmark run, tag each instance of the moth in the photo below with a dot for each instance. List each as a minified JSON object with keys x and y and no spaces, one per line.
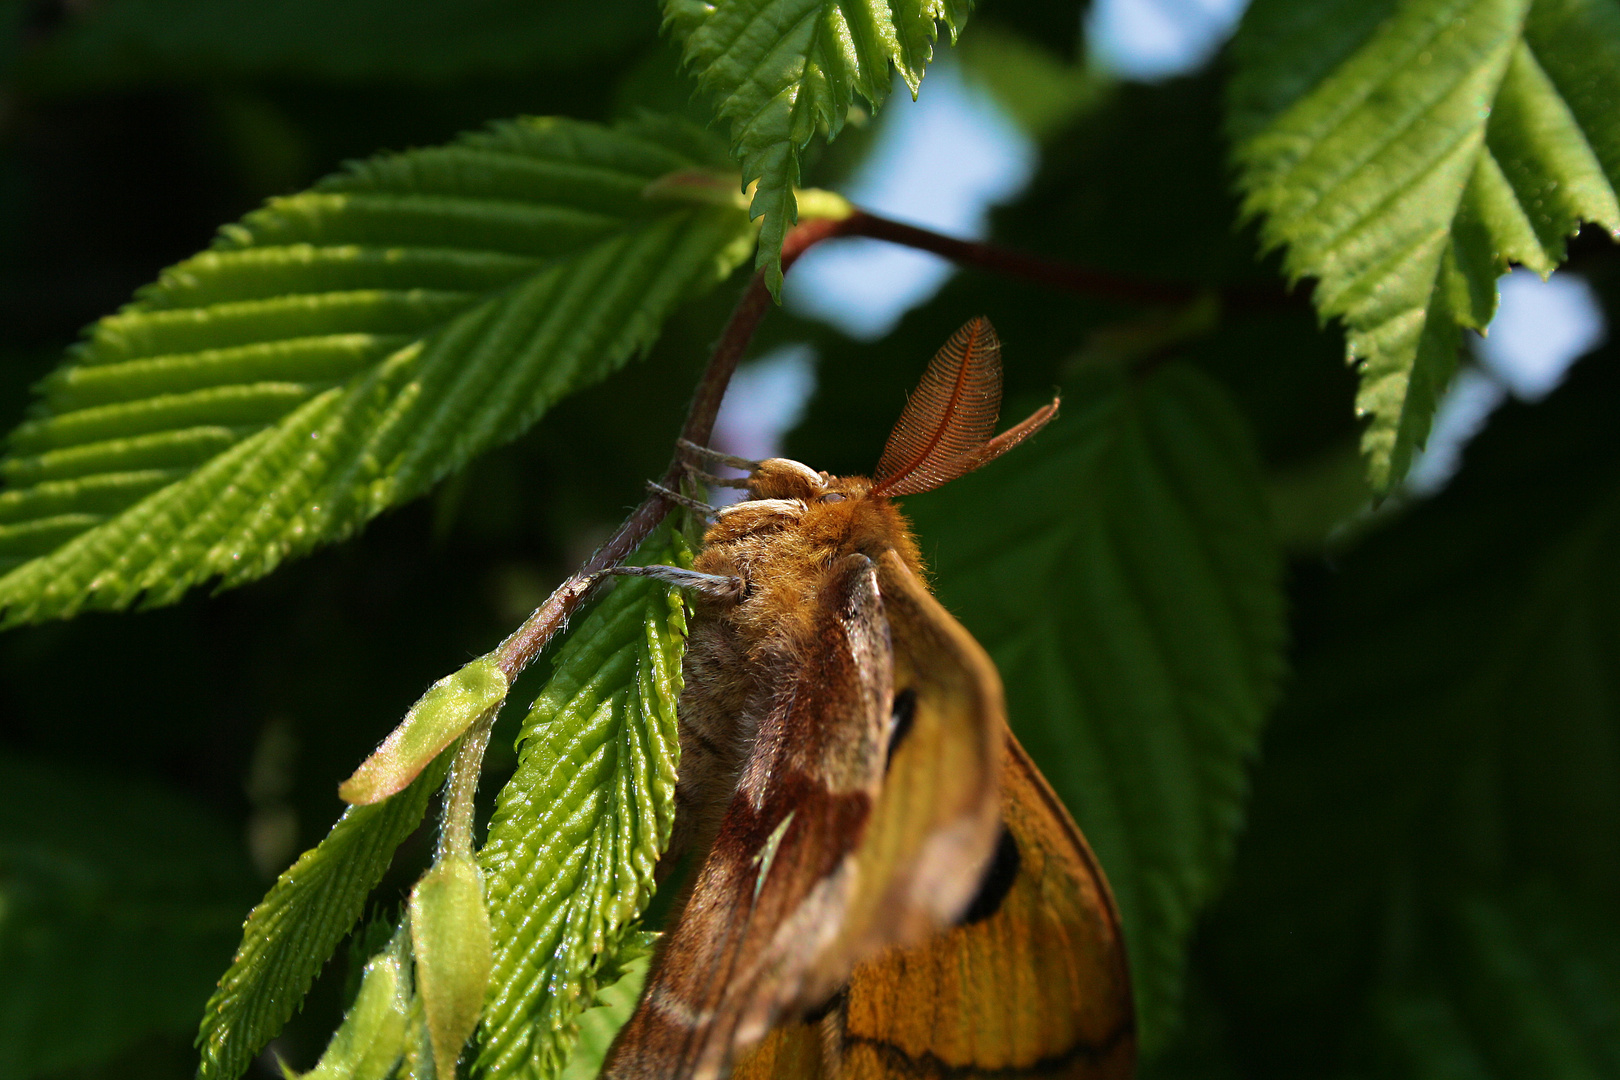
{"x":889,"y":886}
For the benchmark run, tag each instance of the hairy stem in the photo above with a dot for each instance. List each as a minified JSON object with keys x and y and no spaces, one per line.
{"x":461,"y":785}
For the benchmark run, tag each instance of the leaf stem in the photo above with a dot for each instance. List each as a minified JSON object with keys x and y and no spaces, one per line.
{"x":461,"y":785}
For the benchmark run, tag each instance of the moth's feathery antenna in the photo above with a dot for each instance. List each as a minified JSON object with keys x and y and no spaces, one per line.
{"x":714,"y":586}
{"x":716,"y":457}
{"x":945,"y":429}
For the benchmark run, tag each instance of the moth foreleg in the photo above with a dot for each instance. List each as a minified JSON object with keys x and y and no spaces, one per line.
{"x":711,"y":480}
{"x":716,"y":457}
{"x":681,"y":500}
{"x":715,"y":586}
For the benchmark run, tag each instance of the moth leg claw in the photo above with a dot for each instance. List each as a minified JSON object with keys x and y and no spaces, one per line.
{"x":711,"y":480}
{"x":714,"y":586}
{"x":681,"y":500}
{"x":715,"y":457}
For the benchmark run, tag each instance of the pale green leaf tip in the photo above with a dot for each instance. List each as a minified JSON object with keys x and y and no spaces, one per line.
{"x":370,"y":1042}
{"x":437,"y":719}
{"x":818,"y":203}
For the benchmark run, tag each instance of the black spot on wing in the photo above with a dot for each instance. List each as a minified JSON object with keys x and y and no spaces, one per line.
{"x":997,"y":881}
{"x":837,"y":1001}
{"x":900,"y":719}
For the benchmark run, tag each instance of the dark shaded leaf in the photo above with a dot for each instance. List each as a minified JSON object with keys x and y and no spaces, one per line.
{"x":1121,"y":571}
{"x":118,"y":902}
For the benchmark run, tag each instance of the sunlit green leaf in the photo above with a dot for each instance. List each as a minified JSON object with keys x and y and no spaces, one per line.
{"x":341,"y":349}
{"x":300,"y":922}
{"x":615,"y":1002}
{"x":1406,"y":153}
{"x":576,"y":833}
{"x":1121,"y":571}
{"x":779,"y":70}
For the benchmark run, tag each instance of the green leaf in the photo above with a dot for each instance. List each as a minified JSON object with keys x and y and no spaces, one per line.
{"x":438,"y":719}
{"x":1406,"y":154}
{"x":576,"y":833}
{"x":616,"y":1001}
{"x":1451,"y":736}
{"x":340,"y":350}
{"x":118,"y":903}
{"x":1527,"y":985}
{"x":418,"y":41}
{"x":1122,"y":573}
{"x":371,"y":1040}
{"x":778,"y":70}
{"x":300,"y":922}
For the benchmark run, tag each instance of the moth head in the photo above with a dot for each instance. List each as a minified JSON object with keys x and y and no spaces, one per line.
{"x":784,"y":478}
{"x":947,"y":426}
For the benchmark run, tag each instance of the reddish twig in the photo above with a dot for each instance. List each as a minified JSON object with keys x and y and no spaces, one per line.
{"x":1061,"y":276}
{"x":1065,"y":277}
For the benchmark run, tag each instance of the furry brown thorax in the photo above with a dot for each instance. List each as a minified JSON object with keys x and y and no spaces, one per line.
{"x":781,"y":542}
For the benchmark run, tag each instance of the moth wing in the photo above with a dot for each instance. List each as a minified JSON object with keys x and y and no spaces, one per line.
{"x":752,"y":940}
{"x":934,"y":827}
{"x":1032,"y":982}
{"x":1036,"y":987}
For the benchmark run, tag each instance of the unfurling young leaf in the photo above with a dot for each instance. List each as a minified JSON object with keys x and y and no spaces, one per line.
{"x":780,"y":69}
{"x":340,"y":350}
{"x":372,"y":1038}
{"x":438,"y":719}
{"x":297,"y":925}
{"x":451,"y":939}
{"x":1406,"y":154}
{"x":576,"y":833}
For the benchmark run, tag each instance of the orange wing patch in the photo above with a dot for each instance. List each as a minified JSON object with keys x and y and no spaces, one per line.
{"x":1038,"y":987}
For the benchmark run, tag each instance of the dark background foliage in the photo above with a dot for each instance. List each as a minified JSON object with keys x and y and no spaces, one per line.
{"x":1428,"y":869}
